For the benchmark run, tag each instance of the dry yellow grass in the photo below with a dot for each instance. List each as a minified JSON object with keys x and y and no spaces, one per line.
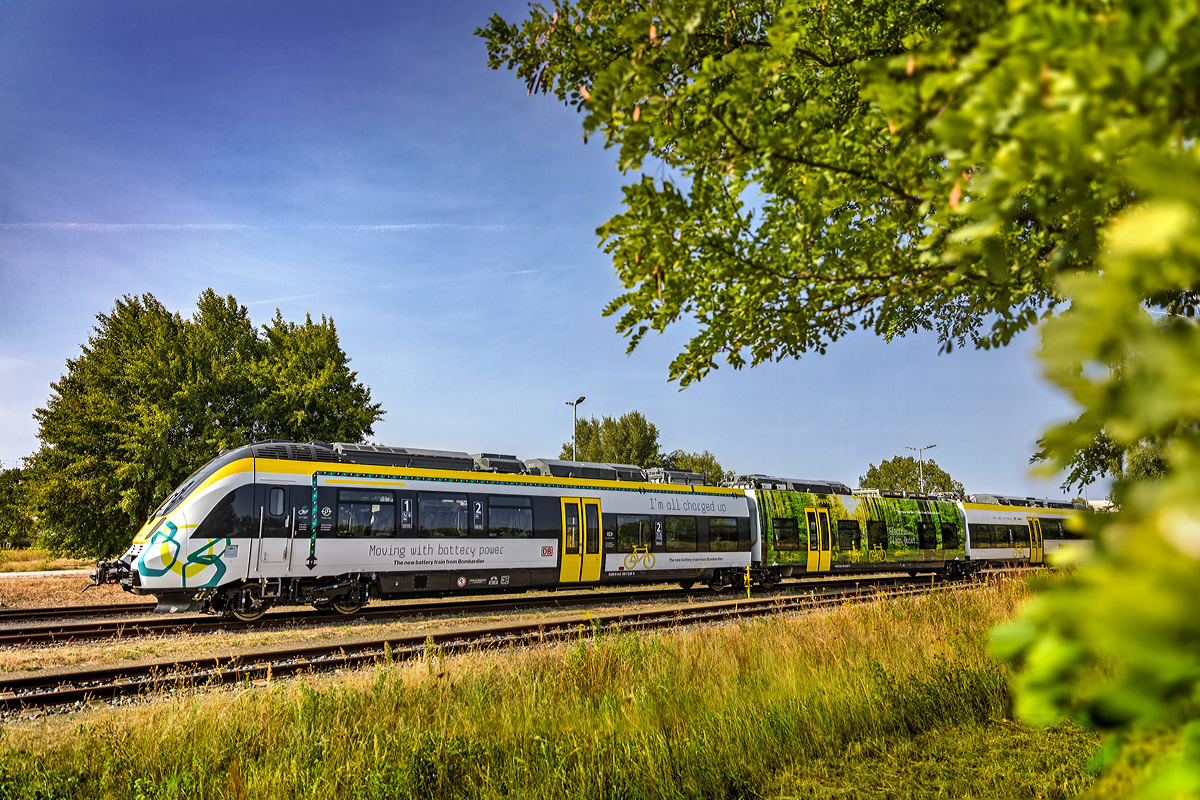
{"x":21,"y":560}
{"x":64,"y":590}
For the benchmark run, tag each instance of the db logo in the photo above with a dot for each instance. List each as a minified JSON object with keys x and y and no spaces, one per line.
{"x":548,"y":551}
{"x":462,"y":581}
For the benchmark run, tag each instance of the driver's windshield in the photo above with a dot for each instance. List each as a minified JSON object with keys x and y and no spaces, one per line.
{"x":195,"y":479}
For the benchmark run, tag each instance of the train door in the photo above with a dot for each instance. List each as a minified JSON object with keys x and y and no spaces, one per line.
{"x":820,"y":551}
{"x":273,"y":529}
{"x":1037,"y":545}
{"x":572,"y":535}
{"x":592,"y":540}
{"x":298,"y":524}
{"x":826,"y":540}
{"x":814,"y":541}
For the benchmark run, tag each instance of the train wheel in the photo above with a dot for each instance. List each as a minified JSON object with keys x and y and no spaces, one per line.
{"x":686,"y":585}
{"x":718,"y":584}
{"x":246,"y":604}
{"x":346,"y":607}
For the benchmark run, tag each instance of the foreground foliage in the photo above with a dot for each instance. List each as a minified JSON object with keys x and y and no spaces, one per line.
{"x":153,"y":396}
{"x":890,"y":699}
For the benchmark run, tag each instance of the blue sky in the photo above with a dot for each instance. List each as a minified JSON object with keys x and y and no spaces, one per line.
{"x":359,"y":160}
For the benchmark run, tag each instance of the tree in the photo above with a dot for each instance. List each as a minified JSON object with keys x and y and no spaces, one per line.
{"x":153,"y":396}
{"x":844,"y":122}
{"x":704,"y":463}
{"x":628,"y":439}
{"x":16,"y":524}
{"x":962,"y":166}
{"x":903,"y":474}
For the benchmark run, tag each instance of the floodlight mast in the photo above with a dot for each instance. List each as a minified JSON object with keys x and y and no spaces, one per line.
{"x":921,"y":463}
{"x":574,"y":431}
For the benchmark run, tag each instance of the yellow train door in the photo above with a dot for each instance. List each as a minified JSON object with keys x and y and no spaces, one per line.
{"x":826,"y":540}
{"x":1037,"y":545}
{"x":593,"y":542}
{"x":572,"y":536}
{"x":814,"y":540}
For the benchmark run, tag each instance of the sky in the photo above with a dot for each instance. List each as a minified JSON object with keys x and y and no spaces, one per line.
{"x":360,"y":161}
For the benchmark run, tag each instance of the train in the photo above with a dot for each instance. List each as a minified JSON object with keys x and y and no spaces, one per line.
{"x":335,"y":526}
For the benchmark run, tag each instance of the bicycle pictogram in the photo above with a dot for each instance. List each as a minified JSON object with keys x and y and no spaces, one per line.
{"x":640,"y":555}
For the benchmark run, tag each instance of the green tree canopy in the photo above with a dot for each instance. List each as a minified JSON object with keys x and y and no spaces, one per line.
{"x":835,"y":166}
{"x":627,"y":439}
{"x":903,"y":474}
{"x":16,"y":521}
{"x":154,"y":395}
{"x":704,"y":463}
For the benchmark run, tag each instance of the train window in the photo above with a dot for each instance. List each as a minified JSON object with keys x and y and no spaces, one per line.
{"x":877,"y":538}
{"x":787,"y":533}
{"x":1055,"y":529}
{"x":927,"y":535}
{"x":571,"y":528}
{"x":233,"y":515}
{"x":441,"y":514}
{"x":722,"y":533}
{"x":632,"y":531}
{"x":814,"y":537}
{"x":980,"y":534}
{"x":510,"y":516}
{"x":849,"y":534}
{"x":275,"y":502}
{"x":366,"y":513}
{"x":949,"y":536}
{"x":681,"y":534}
{"x":591,"y":532}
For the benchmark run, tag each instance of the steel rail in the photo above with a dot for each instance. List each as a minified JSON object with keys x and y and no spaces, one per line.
{"x":87,"y":631}
{"x":70,"y":612}
{"x":80,"y":686}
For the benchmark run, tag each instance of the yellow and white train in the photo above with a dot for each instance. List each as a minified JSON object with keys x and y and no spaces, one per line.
{"x":334,"y":526}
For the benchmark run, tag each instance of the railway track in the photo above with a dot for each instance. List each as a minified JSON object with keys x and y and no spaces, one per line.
{"x":10,"y":615}
{"x":90,"y":631}
{"x":78,"y":687}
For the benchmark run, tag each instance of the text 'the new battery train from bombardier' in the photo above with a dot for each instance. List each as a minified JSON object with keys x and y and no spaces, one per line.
{"x":279,"y":523}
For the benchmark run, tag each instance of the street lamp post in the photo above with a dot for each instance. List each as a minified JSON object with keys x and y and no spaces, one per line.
{"x":921,"y":465}
{"x":575,"y":409}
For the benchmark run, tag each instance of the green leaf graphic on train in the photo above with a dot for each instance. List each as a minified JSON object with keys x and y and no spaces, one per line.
{"x":165,"y":548}
{"x":873,"y":529}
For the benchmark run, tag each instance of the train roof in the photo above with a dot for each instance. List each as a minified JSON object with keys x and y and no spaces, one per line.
{"x":760,"y":481}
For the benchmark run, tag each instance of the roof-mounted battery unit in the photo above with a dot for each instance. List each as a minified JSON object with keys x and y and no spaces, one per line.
{"x":755,"y":481}
{"x":493,"y":462}
{"x":907,"y":495}
{"x":660,"y":475}
{"x":380,"y":456}
{"x":1028,"y":502}
{"x":548,"y":467}
{"x":816,"y":487}
{"x":278,"y":448}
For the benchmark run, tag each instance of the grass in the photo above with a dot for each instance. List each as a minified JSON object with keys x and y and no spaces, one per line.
{"x":889,"y":699}
{"x":61,"y":590}
{"x":31,"y":560}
